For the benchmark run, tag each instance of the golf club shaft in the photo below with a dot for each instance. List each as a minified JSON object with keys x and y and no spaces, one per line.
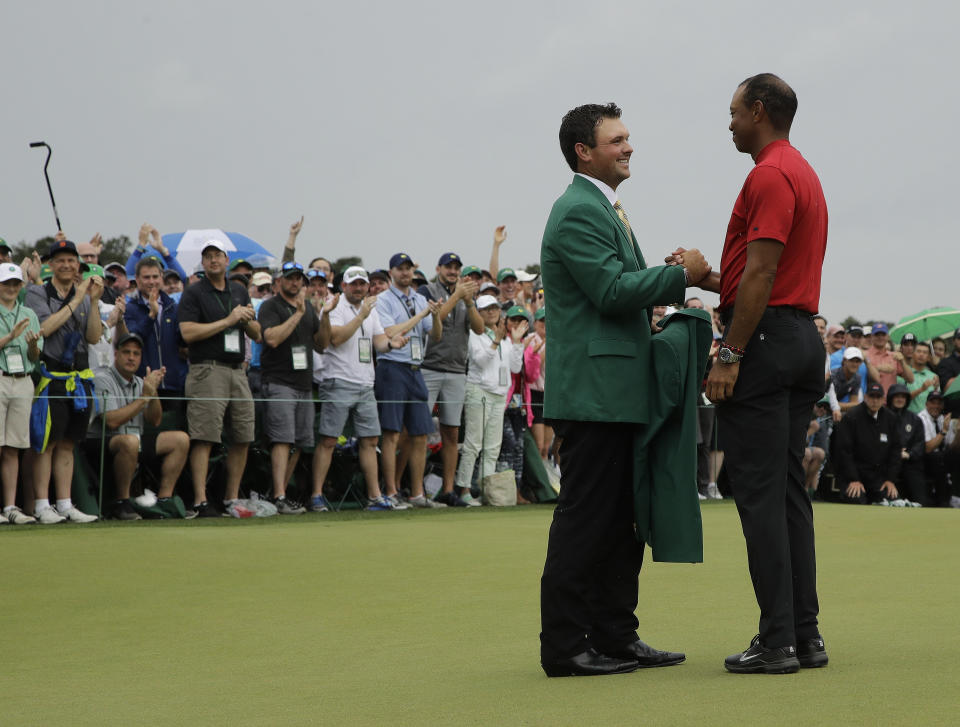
{"x":56,"y":215}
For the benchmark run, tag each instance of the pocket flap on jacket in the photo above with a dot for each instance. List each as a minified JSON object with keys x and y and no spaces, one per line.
{"x":612,"y":347}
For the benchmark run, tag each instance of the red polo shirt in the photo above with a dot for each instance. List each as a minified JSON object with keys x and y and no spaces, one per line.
{"x":781,"y":200}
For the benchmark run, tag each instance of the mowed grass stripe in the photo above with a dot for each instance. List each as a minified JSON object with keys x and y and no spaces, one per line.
{"x":432,"y":618}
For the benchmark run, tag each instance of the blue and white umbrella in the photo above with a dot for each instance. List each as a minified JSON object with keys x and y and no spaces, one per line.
{"x":187,"y":246}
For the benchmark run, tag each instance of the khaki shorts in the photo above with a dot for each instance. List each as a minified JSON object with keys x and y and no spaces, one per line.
{"x":16,"y":398}
{"x":218,"y":401}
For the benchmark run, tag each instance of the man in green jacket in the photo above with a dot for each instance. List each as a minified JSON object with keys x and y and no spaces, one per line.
{"x":600,"y":292}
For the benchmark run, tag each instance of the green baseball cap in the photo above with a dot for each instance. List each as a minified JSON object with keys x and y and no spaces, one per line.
{"x":4,"y":243}
{"x":46,"y":272}
{"x":92,"y":270}
{"x":506,"y":273}
{"x":517,"y":311}
{"x":470,"y":270}
{"x":540,"y":314}
{"x":234,"y":264}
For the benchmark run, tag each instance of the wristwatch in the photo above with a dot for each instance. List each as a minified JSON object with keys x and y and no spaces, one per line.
{"x":729,"y":354}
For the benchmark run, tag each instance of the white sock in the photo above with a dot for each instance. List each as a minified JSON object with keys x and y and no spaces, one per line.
{"x":40,"y":505}
{"x":64,"y":505}
{"x":7,"y":509}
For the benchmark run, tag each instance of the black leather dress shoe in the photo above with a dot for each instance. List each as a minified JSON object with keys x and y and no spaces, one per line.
{"x":589,"y":663}
{"x":646,"y":656}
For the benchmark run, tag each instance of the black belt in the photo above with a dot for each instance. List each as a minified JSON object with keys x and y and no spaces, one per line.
{"x":21,"y":375}
{"x":726,"y":314}
{"x":211,"y":362}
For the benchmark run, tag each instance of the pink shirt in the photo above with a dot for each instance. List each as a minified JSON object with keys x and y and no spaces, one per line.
{"x":883,"y":359}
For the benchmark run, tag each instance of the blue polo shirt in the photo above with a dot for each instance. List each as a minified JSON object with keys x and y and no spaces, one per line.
{"x":394,"y":307}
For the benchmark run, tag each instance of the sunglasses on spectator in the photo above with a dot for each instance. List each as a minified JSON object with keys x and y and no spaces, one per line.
{"x":312,"y":273}
{"x":292,"y":266}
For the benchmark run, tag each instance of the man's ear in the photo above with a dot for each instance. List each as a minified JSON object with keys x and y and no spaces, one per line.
{"x":583,"y":151}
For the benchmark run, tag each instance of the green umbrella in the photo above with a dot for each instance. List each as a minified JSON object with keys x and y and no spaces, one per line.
{"x":927,"y":324}
{"x":953,"y":390}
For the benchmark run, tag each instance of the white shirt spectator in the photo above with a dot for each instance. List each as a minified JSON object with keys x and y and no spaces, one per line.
{"x":490,"y":367}
{"x":343,"y":361}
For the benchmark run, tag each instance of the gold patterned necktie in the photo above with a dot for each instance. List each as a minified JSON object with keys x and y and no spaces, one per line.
{"x":621,"y":213}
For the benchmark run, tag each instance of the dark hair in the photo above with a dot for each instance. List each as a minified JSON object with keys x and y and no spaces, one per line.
{"x":926,"y":345}
{"x":778,"y":99}
{"x":579,"y":125}
{"x":148,"y":262}
{"x":310,"y":264}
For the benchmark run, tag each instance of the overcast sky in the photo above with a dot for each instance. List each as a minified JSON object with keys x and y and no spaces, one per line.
{"x":420,"y":126}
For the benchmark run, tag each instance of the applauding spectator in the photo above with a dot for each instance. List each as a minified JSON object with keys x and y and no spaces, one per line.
{"x":129,"y":401}
{"x":215,"y":318}
{"x":347,"y":387}
{"x":291,"y":332}
{"x":69,"y":323}
{"x":20,"y":345}
{"x":493,"y":358}
{"x":888,"y":364}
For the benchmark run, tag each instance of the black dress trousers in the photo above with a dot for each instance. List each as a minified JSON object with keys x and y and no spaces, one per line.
{"x":588,"y":592}
{"x":762,"y":431}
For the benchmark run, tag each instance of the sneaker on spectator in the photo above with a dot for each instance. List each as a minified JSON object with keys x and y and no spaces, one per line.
{"x":701,"y":495}
{"x":76,"y":516}
{"x":397,"y":503}
{"x":49,"y":516}
{"x":204,"y":509}
{"x":238,"y":509}
{"x":123,"y":510}
{"x":318,"y":503}
{"x":379,"y":503}
{"x":3,"y":519}
{"x":713,"y":493}
{"x":469,"y":500}
{"x":424,"y":502}
{"x":16,"y":516}
{"x":954,"y":501}
{"x":288,"y":507}
{"x":450,"y":499}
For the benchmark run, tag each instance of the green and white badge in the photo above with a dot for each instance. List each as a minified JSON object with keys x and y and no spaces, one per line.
{"x":299,"y":358}
{"x":13,"y":359}
{"x":231,"y":341}
{"x":366,"y":349}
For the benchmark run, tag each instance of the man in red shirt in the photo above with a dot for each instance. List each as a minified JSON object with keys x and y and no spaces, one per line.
{"x":769,"y":371}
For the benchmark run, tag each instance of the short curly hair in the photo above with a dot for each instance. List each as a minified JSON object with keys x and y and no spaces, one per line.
{"x":579,"y":126}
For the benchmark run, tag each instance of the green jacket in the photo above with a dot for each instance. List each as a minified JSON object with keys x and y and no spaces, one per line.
{"x":598,"y":290}
{"x":665,"y":449}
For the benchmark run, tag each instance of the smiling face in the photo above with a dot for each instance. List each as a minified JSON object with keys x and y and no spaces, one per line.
{"x":9,"y":290}
{"x":742,"y":122}
{"x":490,"y":315}
{"x":356,"y":291}
{"x":148,"y":280}
{"x":449,"y":273}
{"x":609,"y":159}
{"x":66,"y":267}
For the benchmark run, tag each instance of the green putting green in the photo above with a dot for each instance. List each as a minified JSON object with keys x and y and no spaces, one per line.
{"x":422,"y":618}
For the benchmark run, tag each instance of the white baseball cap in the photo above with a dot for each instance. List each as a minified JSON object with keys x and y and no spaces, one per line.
{"x":852,"y":352}
{"x":213,"y":242}
{"x":485,"y":301}
{"x":9,"y":271}
{"x":355,"y":273}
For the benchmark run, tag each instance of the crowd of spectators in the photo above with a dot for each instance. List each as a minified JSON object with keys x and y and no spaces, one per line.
{"x":144,"y":366}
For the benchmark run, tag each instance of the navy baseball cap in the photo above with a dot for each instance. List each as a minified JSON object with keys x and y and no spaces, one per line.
{"x":874,"y":389}
{"x":880,"y":328}
{"x":379,"y":273}
{"x":401,"y":258}
{"x":908,"y":338}
{"x":450,"y":258}
{"x":62,"y":246}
